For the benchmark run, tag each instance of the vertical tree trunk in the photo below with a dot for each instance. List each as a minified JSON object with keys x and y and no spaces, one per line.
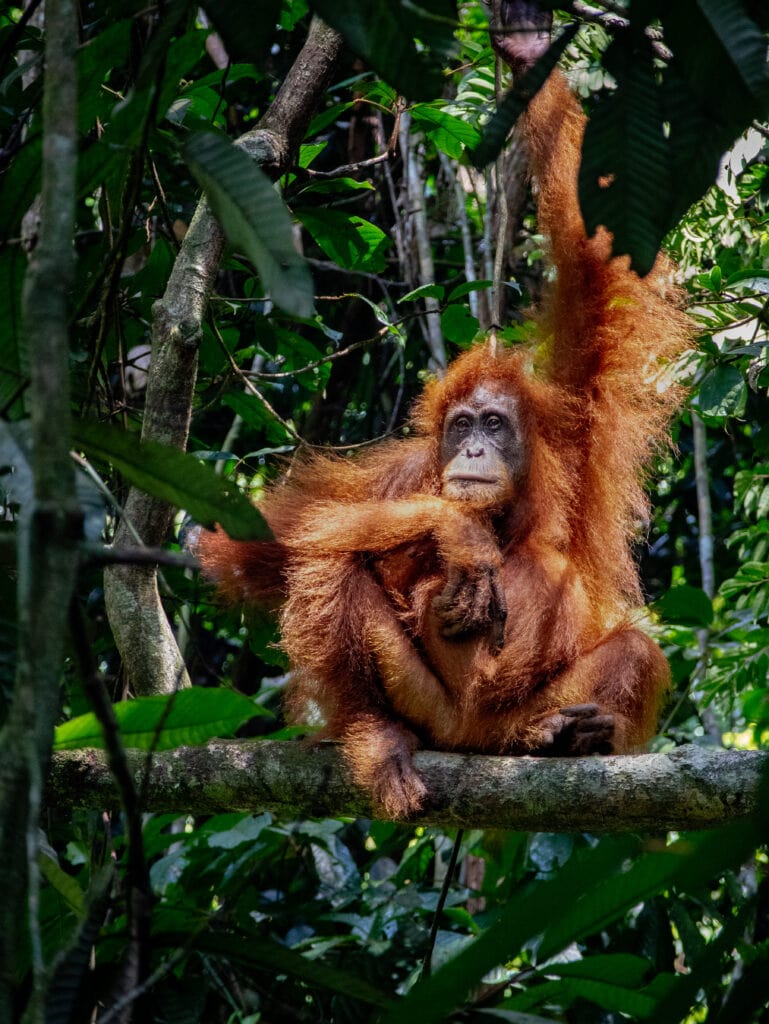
{"x":50,"y":529}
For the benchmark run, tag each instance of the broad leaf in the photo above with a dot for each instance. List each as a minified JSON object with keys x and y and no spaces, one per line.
{"x":254,"y":217}
{"x":175,"y":477}
{"x":590,"y":891}
{"x":349,"y":240}
{"x":743,"y":42}
{"x":424,"y":291}
{"x":189,"y":717}
{"x":688,"y":606}
{"x":459,"y":325}
{"x":723,"y":392}
{"x":623,"y":175}
{"x":450,"y":134}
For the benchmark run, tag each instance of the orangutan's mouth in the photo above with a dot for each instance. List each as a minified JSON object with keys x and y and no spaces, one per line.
{"x":471,"y":478}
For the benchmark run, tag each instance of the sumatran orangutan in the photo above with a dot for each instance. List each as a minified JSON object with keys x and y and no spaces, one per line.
{"x":472,"y":586}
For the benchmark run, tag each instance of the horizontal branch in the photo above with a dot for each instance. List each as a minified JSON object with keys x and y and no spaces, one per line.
{"x":689,"y":788}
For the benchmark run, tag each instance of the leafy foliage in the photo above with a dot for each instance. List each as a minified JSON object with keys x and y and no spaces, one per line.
{"x":254,"y":918}
{"x":188,"y":718}
{"x":253,"y":217}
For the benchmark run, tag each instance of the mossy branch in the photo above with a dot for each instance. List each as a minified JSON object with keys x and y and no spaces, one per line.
{"x":689,"y":788}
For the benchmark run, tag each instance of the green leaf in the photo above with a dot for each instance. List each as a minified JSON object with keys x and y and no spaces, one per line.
{"x":255,"y":414}
{"x":254,"y":218}
{"x":189,"y":718}
{"x":688,"y":606}
{"x":723,"y":392}
{"x":349,"y":240}
{"x":450,"y":134}
{"x":459,"y":325}
{"x":625,"y":145}
{"x":467,"y":287}
{"x":693,"y":861}
{"x":619,"y":968}
{"x":608,"y":996}
{"x":523,"y":917}
{"x":425,"y":291}
{"x":706,"y":112}
{"x":332,"y":186}
{"x":65,"y":885}
{"x":590,"y":891}
{"x":743,"y":42}
{"x":384,"y":33}
{"x":175,"y":477}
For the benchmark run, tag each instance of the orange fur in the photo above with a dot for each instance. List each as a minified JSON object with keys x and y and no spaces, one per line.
{"x":363,"y":548}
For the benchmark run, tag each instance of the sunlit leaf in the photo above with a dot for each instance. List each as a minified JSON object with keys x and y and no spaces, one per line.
{"x":189,"y":717}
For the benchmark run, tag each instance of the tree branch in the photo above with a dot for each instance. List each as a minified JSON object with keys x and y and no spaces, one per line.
{"x":690,"y":788}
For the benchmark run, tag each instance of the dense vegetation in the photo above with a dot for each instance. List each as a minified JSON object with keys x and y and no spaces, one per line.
{"x":416,"y":232}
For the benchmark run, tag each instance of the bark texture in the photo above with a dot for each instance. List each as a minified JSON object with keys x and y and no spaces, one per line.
{"x":690,"y":788}
{"x":49,"y":528}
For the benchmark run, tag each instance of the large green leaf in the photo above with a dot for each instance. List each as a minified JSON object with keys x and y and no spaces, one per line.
{"x":459,"y":325}
{"x":660,"y":135}
{"x":723,"y":392}
{"x":178,"y":478}
{"x":692,"y":862}
{"x":254,"y":218}
{"x":524,"y":917}
{"x":384,"y":33}
{"x":613,"y":981}
{"x":189,"y":717}
{"x":685,"y":605}
{"x":590,"y":891}
{"x":743,"y":42}
{"x":450,"y":134}
{"x":566,"y":991}
{"x":349,"y":240}
{"x":625,"y":146}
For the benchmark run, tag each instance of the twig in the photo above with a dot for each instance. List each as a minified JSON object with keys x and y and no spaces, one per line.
{"x":124,"y":1001}
{"x":337,"y":172}
{"x":99,"y":554}
{"x":427,"y":962}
